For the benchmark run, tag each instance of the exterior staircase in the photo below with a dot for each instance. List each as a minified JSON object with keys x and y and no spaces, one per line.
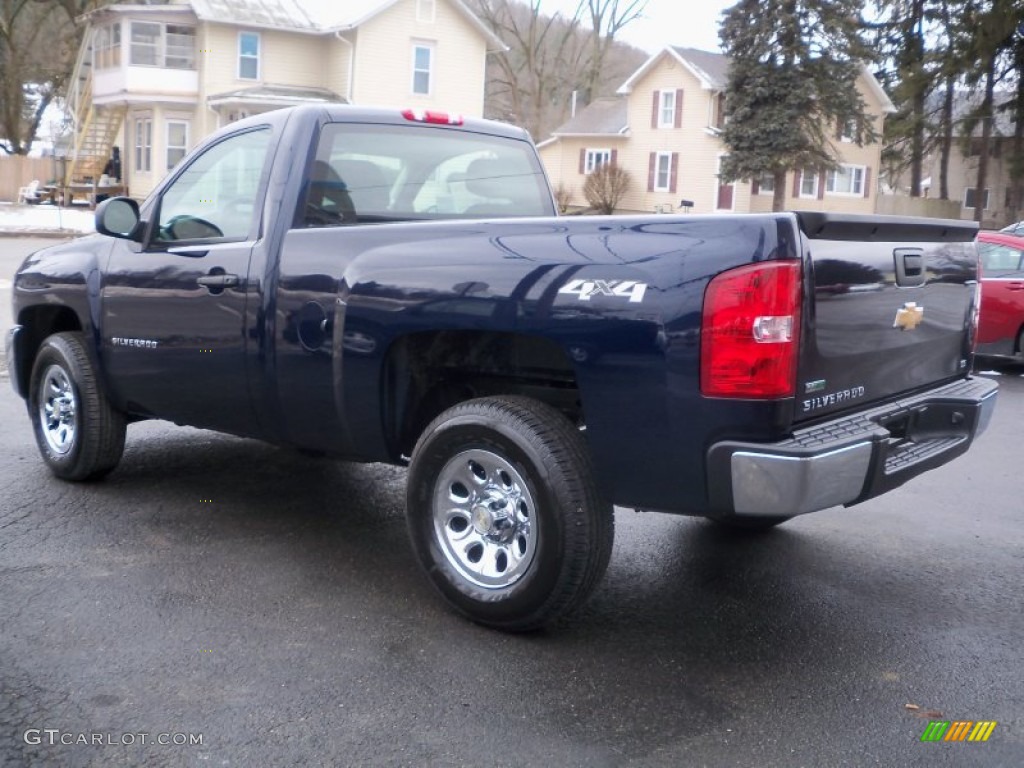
{"x":95,"y":127}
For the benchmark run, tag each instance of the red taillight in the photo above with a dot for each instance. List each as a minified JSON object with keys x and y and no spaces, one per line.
{"x":431,"y":116}
{"x":750,"y":332}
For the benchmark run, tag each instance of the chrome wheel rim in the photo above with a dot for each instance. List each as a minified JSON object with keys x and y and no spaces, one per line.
{"x":58,"y":409}
{"x":485,"y":519}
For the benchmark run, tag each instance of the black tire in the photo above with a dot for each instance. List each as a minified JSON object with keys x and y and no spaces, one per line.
{"x":80,"y":436}
{"x":749,"y":524}
{"x":544,"y":514}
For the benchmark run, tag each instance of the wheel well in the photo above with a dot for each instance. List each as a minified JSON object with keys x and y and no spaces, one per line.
{"x":427,"y":373}
{"x":39,"y":322}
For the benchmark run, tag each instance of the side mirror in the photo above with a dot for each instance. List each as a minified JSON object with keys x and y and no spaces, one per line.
{"x":119,"y":217}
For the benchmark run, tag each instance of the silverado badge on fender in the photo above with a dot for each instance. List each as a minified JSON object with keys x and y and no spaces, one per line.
{"x":908,"y":317}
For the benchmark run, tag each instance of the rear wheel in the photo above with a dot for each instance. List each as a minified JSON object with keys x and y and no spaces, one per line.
{"x":504,"y":514}
{"x":79,"y":435}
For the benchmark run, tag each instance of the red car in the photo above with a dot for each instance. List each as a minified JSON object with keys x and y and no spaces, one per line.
{"x":1001,"y":326}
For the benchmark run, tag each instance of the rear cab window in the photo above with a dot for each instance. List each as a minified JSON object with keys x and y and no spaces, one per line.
{"x":370,"y":173}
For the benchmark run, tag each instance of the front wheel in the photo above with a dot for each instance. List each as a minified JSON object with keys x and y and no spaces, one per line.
{"x":79,"y":434}
{"x":504,"y":514}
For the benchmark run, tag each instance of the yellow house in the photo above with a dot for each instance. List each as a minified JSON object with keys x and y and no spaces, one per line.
{"x":155,"y":79}
{"x":665,"y":126}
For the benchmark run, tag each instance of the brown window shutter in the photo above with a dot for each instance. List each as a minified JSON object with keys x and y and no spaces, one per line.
{"x":650,"y":171}
{"x":583,"y":161}
{"x":615,"y":156}
{"x":654,"y":109}
{"x":679,"y":108}
{"x":673,"y":172}
{"x":755,"y":187}
{"x":796,"y":182}
{"x":821,"y":185}
{"x":867,"y":182}
{"x":839,"y":127}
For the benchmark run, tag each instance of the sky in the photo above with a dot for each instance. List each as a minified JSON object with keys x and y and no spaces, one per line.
{"x":687,"y":23}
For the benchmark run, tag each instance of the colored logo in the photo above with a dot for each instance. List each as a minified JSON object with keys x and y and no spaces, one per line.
{"x":908,"y":317}
{"x":958,"y":730}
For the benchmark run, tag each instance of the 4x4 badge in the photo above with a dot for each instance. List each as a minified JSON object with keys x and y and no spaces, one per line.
{"x":909,"y":317}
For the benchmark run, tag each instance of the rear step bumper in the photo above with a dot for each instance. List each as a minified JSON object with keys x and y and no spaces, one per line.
{"x":851,"y":459}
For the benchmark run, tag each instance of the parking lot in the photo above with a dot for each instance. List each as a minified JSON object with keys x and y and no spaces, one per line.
{"x":269,"y":604}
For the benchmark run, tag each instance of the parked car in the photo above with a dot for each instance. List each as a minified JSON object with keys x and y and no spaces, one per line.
{"x":1014,"y":229}
{"x":1001,"y":325}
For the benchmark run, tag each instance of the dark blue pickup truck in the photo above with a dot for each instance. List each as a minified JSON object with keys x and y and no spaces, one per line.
{"x":391,"y":286}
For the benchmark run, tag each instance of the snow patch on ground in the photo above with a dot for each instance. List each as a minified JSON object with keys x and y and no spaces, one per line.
{"x":49,"y":218}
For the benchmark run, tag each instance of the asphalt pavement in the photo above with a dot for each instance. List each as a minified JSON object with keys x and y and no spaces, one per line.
{"x":267,"y":605}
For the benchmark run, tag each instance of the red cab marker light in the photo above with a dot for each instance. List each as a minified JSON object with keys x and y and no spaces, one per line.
{"x":431,"y":116}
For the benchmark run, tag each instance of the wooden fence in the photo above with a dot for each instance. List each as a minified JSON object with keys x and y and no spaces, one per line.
{"x":17,"y":171}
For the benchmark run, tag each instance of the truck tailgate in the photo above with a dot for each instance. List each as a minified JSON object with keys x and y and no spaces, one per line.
{"x":890,"y":308}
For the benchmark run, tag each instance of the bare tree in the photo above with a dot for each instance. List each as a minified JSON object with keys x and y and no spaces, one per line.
{"x":563,"y":197}
{"x":607,"y":18}
{"x":550,"y":57}
{"x":529,"y":78}
{"x":39,"y":41}
{"x":606,"y":186}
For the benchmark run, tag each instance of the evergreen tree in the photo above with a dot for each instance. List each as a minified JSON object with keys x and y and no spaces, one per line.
{"x":792,"y":86}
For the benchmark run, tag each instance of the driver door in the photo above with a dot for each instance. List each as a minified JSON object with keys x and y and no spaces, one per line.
{"x":179,"y":312}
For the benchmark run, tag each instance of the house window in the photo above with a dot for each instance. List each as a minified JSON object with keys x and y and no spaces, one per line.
{"x":145,"y":44}
{"x":179,"y":47}
{"x":422,"y":68}
{"x":808,"y":183}
{"x":667,"y":109}
{"x":719,"y":117}
{"x":248,"y":56}
{"x":847,"y":180}
{"x":766,"y":184}
{"x":143,"y":144}
{"x":970,"y":198}
{"x":848,"y":130}
{"x":663,"y":172}
{"x":161,"y":45}
{"x":107,"y":47}
{"x":177,"y":141}
{"x":595,"y":158}
{"x":425,"y":10}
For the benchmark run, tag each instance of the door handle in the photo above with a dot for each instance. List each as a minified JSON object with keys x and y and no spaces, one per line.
{"x":218,"y":281}
{"x":1016,"y":286}
{"x":910,"y":266}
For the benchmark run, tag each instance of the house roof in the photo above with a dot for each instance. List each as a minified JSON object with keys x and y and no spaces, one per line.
{"x":709,"y":68}
{"x":276,"y":95}
{"x":605,"y":116}
{"x":332,"y":16}
{"x":267,"y":14}
{"x":317,"y":16}
{"x":712,"y":70}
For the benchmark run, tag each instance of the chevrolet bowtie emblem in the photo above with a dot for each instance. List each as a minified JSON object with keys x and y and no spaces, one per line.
{"x":909,"y":317}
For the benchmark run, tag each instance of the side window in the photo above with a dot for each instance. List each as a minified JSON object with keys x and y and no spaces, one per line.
{"x":998,"y":260}
{"x":216,"y":195}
